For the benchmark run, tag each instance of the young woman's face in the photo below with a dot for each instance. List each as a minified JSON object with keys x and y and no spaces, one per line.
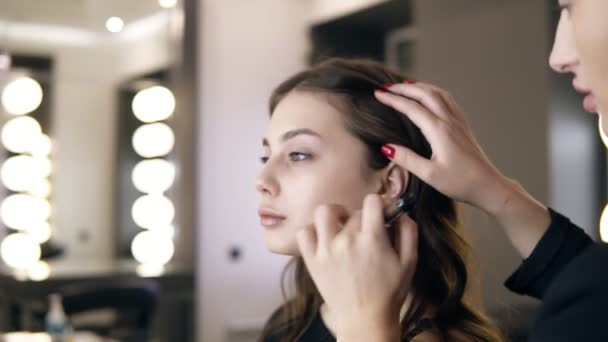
{"x":581,"y":48}
{"x":310,"y":160}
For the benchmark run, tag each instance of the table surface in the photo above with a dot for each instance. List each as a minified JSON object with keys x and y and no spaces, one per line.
{"x":99,"y":268}
{"x":78,"y":336}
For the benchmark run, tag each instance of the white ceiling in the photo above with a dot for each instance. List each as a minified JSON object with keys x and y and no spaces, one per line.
{"x":80,"y":14}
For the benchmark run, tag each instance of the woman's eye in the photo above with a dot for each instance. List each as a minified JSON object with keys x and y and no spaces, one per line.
{"x":298,"y":156}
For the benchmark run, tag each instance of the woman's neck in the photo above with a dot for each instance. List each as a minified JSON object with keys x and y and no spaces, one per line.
{"x":328,"y":315}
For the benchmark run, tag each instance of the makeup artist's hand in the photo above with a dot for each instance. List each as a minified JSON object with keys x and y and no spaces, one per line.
{"x":360,"y":276}
{"x":458,"y":166}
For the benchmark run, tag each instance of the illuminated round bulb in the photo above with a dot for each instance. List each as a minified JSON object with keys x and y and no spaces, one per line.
{"x":152,"y":248}
{"x":115,"y":24}
{"x":19,"y":250}
{"x":20,"y":134}
{"x":168,"y":231}
{"x":22,"y":96}
{"x":153,"y":140}
{"x":41,"y":232}
{"x":20,"y":173}
{"x":153,"y":104}
{"x":39,"y":271}
{"x":151,"y":211}
{"x":153,"y":176}
{"x":41,"y":188}
{"x":149,"y":270}
{"x":21,"y":212}
{"x":167,"y":3}
{"x":43,"y":166}
{"x":42,"y":146}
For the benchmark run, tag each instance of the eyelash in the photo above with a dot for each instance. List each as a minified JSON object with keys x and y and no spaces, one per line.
{"x":306,"y":156}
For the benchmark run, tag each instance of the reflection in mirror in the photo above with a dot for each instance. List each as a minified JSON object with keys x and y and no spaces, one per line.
{"x":96,"y":158}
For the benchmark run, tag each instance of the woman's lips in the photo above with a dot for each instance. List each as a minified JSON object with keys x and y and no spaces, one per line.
{"x":589,"y":100}
{"x":590,"y":103}
{"x":270,"y":218}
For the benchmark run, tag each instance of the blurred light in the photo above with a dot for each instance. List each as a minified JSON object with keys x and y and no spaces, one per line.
{"x":39,"y":271}
{"x":153,"y":140}
{"x":151,"y":248}
{"x":153,"y":104}
{"x":150,"y":270}
{"x":43,"y":166}
{"x":41,"y":232}
{"x":603,"y":134}
{"x":41,"y":146}
{"x":604,"y":217}
{"x":151,"y":211}
{"x":41,"y":188}
{"x":153,"y":176}
{"x":20,"y":134}
{"x":5,"y":60}
{"x":604,"y":225}
{"x":168,"y":231}
{"x":20,"y":173}
{"x":19,"y":250}
{"x":167,"y":3}
{"x":23,"y":212}
{"x":115,"y":24}
{"x":22,"y":96}
{"x":26,"y":337}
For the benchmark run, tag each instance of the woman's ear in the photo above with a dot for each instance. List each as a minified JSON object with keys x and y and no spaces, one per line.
{"x":394,"y":184}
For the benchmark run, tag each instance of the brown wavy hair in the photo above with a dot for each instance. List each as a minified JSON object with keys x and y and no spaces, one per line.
{"x":441,"y":278}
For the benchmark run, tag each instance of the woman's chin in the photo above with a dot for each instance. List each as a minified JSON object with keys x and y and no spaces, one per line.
{"x":281,"y":246}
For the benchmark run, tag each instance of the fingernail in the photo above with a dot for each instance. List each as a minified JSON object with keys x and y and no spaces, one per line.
{"x":387,"y":85}
{"x":409,"y":82}
{"x":388,"y":151}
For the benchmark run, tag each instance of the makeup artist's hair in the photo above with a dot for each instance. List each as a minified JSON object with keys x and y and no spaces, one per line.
{"x":441,"y":279}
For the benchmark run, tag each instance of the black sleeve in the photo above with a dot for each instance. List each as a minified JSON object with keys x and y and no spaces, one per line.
{"x":575,"y":306}
{"x":562,"y":242}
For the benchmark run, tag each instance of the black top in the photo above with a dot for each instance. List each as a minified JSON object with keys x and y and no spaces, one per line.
{"x":317,"y":331}
{"x":569,"y":273}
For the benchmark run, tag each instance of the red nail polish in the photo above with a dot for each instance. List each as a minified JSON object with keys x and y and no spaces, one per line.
{"x":387,"y":85}
{"x":409,"y":82}
{"x":388,"y":151}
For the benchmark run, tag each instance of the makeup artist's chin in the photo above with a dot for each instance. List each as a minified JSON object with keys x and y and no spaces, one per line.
{"x":590,"y":103}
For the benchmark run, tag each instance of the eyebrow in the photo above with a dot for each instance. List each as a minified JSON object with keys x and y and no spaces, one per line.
{"x":294,"y":133}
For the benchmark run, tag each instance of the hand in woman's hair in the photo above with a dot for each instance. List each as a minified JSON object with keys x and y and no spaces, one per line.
{"x":458,"y":167}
